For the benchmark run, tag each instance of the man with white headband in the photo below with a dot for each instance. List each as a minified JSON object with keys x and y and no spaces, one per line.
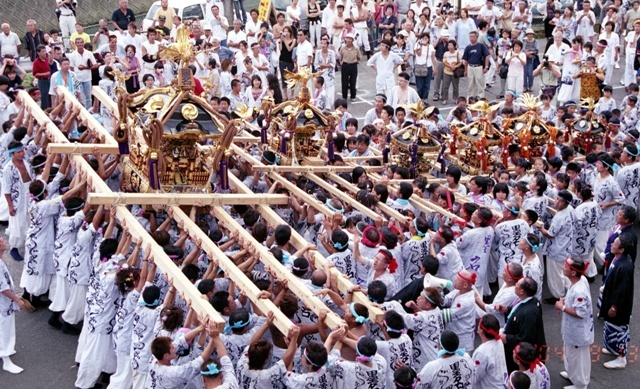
{"x":453,"y":363}
{"x":628,"y":177}
{"x":16,"y":177}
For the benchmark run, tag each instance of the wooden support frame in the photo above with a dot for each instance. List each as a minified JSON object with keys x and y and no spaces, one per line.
{"x":300,"y":290}
{"x":322,"y":208}
{"x":313,"y":169}
{"x":297,"y":241}
{"x":345,"y":198}
{"x":174,"y":275}
{"x":184,"y":199}
{"x":92,"y":123}
{"x":81,"y":148}
{"x":354,"y":189}
{"x":232,"y":272}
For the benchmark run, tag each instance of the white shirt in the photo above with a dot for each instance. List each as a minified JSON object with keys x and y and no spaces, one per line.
{"x":76,"y":59}
{"x":490,"y":365}
{"x":236,"y":37}
{"x":252,"y":27}
{"x":9,"y":43}
{"x":447,"y":373}
{"x":578,"y":331}
{"x":585,"y":27}
{"x":490,"y":15}
{"x":304,"y":50}
{"x":556,"y":54}
{"x":216,"y":27}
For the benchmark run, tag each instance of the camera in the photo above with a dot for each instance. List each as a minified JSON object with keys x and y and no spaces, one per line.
{"x":545,"y":62}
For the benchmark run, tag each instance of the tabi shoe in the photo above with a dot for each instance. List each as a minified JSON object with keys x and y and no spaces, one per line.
{"x":607,"y":352}
{"x":618,"y":363}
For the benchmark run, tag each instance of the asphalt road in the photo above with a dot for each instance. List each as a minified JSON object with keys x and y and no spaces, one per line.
{"x":47,"y":355}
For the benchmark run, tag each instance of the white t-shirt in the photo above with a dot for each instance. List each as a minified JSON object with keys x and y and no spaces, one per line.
{"x":236,"y":37}
{"x":447,"y":373}
{"x":303,"y":52}
{"x":252,"y":27}
{"x":490,"y":15}
{"x":556,"y":54}
{"x":76,"y":59}
{"x":9,"y":43}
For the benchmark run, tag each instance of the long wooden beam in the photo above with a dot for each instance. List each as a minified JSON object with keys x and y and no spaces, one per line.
{"x":174,"y":275}
{"x":82,"y":148}
{"x":185,"y":199}
{"x":345,"y":197}
{"x":297,"y":241}
{"x":232,"y":272}
{"x":92,"y":123}
{"x":313,"y":169}
{"x":354,"y":189}
{"x":322,"y":208}
{"x":294,"y":284}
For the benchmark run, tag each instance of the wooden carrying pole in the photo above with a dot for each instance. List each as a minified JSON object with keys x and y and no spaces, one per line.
{"x":184,"y":199}
{"x":179,"y":280}
{"x":232,"y":272}
{"x":294,"y":284}
{"x":81,"y":148}
{"x":297,"y":241}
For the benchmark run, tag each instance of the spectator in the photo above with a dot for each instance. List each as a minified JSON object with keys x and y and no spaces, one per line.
{"x":350,"y":56}
{"x":164,"y":10}
{"x":384,"y":63}
{"x":42,"y":73}
{"x":585,"y":20}
{"x":522,"y":18}
{"x":516,"y":60}
{"x":530,"y":48}
{"x":79,"y":33}
{"x":82,"y":61}
{"x":293,"y":15}
{"x":548,"y":10}
{"x":425,"y":57}
{"x":66,"y":10}
{"x":9,"y":42}
{"x":34,"y":37}
{"x":451,"y":60}
{"x":235,"y":36}
{"x":476,"y":62}
{"x":613,"y":49}
{"x":101,"y":37}
{"x":219,"y":25}
{"x":462,"y":29}
{"x":326,"y":60}
{"x":122,"y":16}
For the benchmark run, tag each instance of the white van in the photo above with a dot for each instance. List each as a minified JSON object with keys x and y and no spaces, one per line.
{"x":186,"y":9}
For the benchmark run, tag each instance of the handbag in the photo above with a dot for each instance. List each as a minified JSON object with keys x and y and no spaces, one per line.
{"x":504,"y":70}
{"x":421,"y":70}
{"x":459,"y":71}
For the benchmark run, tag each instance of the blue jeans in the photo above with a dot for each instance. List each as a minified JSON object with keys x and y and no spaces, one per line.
{"x":85,"y":88}
{"x":528,"y":74}
{"x":423,"y":84}
{"x":43,"y":87}
{"x":238,"y":7}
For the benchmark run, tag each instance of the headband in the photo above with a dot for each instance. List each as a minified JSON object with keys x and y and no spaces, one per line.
{"x":393,"y":263}
{"x":471,"y":278}
{"x":512,"y":209}
{"x":380,"y":95}
{"x":534,"y":248}
{"x":424,"y":294}
{"x":413,"y":384}
{"x":212,"y":369}
{"x":626,"y":149}
{"x":511,"y":274}
{"x":145,"y":304}
{"x":366,"y":240}
{"x":532,"y":364}
{"x":484,"y":219}
{"x":331,"y":207}
{"x":340,"y":246}
{"x":389,"y":329}
{"x":38,"y":165}
{"x":607,"y":164}
{"x":513,"y":93}
{"x":296,"y":268}
{"x":444,"y":351}
{"x":580,"y":272}
{"x":306,"y":356}
{"x":359,"y":319}
{"x":420,"y":233}
{"x":275,"y":161}
{"x":494,"y":334}
{"x":600,"y":45}
{"x":17,"y":148}
{"x":234,"y":326}
{"x":360,"y":357}
{"x":76,"y":208}
{"x":44,"y":187}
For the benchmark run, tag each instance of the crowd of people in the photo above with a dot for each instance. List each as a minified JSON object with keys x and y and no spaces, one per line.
{"x":461,"y":299}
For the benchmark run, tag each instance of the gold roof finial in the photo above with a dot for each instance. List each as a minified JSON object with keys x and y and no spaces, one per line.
{"x":301,"y":78}
{"x":181,"y":50}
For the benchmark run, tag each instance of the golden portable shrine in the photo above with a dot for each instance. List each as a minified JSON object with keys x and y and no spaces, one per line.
{"x":588,"y":130}
{"x":297,"y":129}
{"x":529,"y":131}
{"x":413,"y":146}
{"x":161,"y":131}
{"x":470,"y":146}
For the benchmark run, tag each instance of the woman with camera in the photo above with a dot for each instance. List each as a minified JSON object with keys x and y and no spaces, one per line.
{"x":516,"y":59}
{"x":590,"y":78}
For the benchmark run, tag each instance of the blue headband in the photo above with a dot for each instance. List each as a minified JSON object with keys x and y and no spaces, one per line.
{"x":443,"y":351}
{"x":145,"y":304}
{"x":512,"y":93}
{"x":17,"y":148}
{"x":212,"y":369}
{"x":424,"y":294}
{"x":331,"y":207}
{"x":340,"y":246}
{"x":311,"y":362}
{"x":534,"y":248}
{"x":276,"y":159}
{"x":44,"y":187}
{"x":606,"y":164}
{"x":626,"y":149}
{"x":229,"y":327}
{"x":358,"y":318}
{"x":420,"y":233}
{"x":360,"y":357}
{"x":76,"y":208}
{"x":512,"y":209}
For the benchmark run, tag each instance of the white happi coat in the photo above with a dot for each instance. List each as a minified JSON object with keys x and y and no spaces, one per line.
{"x":474,"y":247}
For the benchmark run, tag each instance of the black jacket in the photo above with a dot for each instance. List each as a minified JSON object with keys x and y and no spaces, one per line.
{"x":618,"y":291}
{"x":525,"y":325}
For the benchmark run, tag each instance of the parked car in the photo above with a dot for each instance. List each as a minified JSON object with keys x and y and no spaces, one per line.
{"x":186,"y":9}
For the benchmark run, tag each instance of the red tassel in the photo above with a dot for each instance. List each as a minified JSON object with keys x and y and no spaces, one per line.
{"x":393,"y":265}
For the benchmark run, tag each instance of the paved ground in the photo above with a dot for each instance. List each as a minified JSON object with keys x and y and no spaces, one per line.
{"x":48,"y":355}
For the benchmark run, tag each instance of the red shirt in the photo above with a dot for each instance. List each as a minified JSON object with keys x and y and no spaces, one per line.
{"x":40,"y":66}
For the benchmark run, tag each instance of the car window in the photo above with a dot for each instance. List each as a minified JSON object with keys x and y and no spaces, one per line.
{"x":152,"y":11}
{"x":193,"y":12}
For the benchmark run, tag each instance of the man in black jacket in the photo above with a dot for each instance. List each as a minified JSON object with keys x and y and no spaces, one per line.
{"x":617,"y":301}
{"x":430,"y":265}
{"x":524,"y":322}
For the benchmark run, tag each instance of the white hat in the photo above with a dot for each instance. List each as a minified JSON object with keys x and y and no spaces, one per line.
{"x":444,"y":33}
